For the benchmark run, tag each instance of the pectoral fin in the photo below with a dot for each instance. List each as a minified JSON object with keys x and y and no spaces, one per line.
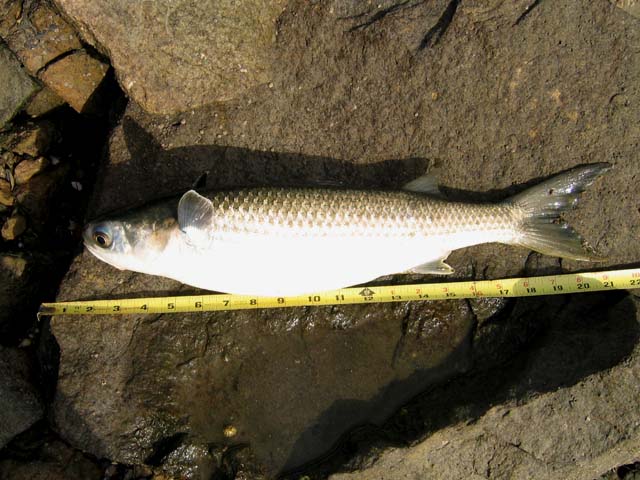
{"x":435,"y":267}
{"x":195,"y":217}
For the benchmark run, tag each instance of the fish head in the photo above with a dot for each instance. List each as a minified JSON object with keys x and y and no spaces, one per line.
{"x":130,"y":243}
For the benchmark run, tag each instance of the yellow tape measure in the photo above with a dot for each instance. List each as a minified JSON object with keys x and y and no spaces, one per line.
{"x":507,"y":287}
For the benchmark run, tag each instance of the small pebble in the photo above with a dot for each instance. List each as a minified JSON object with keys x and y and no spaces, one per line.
{"x":230,"y":431}
{"x":6,"y":198}
{"x":16,"y":265}
{"x":27,"y":169}
{"x":14,"y":227}
{"x":34,"y":140}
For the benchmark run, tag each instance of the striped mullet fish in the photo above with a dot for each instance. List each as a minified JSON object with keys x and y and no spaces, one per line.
{"x":278,"y":241}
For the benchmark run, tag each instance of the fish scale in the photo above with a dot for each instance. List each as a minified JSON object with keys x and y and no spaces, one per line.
{"x":341,"y":212}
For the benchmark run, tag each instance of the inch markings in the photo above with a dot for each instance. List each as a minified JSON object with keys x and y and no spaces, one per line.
{"x":507,"y":287}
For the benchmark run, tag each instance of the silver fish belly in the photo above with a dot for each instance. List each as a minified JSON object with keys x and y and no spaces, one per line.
{"x":274,"y":241}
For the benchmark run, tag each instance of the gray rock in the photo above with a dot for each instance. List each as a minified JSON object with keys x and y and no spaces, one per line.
{"x":17,"y":85}
{"x":53,"y":461}
{"x":20,"y":405}
{"x":176,"y":56}
{"x":22,"y":278}
{"x":367,"y":107}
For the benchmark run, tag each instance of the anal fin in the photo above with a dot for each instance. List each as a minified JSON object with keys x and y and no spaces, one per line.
{"x":434,"y":267}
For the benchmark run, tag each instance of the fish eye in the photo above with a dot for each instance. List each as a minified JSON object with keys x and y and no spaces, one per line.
{"x":101,"y":238}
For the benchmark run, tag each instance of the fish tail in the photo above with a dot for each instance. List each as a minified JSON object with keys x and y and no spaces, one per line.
{"x":542,"y":229}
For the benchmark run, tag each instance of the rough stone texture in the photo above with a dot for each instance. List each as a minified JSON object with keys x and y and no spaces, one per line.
{"x":127,"y":388}
{"x":6,"y":198}
{"x":632,"y":7}
{"x":20,"y":281}
{"x":76,"y":78}
{"x":53,"y":461}
{"x":35,"y":197}
{"x":20,"y":405}
{"x":500,"y":96}
{"x":43,"y":102}
{"x":13,"y":227}
{"x":571,"y":431}
{"x":172,"y":56}
{"x":32,"y":139}
{"x":27,"y":169}
{"x":17,"y":85}
{"x":36,"y":33}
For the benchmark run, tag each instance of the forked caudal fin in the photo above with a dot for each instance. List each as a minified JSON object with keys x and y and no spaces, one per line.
{"x":542,"y":229}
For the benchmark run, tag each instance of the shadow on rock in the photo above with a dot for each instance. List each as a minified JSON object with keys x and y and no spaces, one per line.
{"x":589,"y":334}
{"x":158,"y":173}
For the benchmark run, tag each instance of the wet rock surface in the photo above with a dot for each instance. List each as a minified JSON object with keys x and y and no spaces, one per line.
{"x":373,"y":97}
{"x":167,"y":63}
{"x":17,"y":88}
{"x":76,"y":78}
{"x":39,"y":455}
{"x":554,"y":413}
{"x":492,"y":95}
{"x":20,"y":403}
{"x":284,"y":394}
{"x":36,"y":33}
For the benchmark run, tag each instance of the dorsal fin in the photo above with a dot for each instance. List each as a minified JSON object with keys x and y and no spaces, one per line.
{"x":427,"y":184}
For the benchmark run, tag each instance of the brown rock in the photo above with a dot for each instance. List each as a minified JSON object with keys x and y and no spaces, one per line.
{"x":7,"y":159}
{"x":32,"y":140}
{"x":172,"y":57}
{"x":35,"y":196}
{"x":20,"y":403}
{"x":16,"y":266}
{"x":38,"y":35}
{"x":10,"y":12}
{"x":43,"y":102}
{"x":632,"y":7}
{"x":54,"y":461}
{"x":16,"y":85}
{"x":27,"y":169}
{"x":13,"y":227}
{"x":6,"y":198}
{"x":75,"y":78}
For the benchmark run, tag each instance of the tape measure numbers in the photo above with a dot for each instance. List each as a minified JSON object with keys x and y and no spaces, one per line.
{"x":507,"y":287}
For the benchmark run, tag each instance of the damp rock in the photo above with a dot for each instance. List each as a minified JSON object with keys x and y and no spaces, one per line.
{"x":170,"y":66}
{"x":293,"y":382}
{"x":32,"y":139}
{"x":22,"y":276}
{"x":632,"y":7}
{"x":37,"y":34}
{"x":189,"y":461}
{"x":6,"y":197}
{"x":76,"y":79}
{"x":20,"y":404}
{"x":552,"y":413}
{"x":27,"y":169}
{"x":43,"y":102}
{"x":17,"y":86}
{"x":36,"y":196}
{"x":52,"y":460}
{"x":13,"y":227}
